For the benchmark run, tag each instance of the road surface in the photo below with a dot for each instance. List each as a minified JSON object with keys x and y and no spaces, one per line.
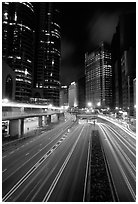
{"x":54,"y":165}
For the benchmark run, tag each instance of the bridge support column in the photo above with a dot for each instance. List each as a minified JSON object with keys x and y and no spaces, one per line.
{"x":22,"y":125}
{"x":45,"y":120}
{"x":48,"y":119}
{"x":16,"y":127}
{"x":40,"y":121}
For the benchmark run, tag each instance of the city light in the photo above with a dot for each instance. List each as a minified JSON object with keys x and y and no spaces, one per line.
{"x":89,"y":104}
{"x":5,"y":100}
{"x":50,"y":106}
{"x":98,"y":104}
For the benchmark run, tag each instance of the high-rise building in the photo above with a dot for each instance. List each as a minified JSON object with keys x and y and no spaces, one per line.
{"x":73,"y":95}
{"x":18,"y":44}
{"x":123,"y":48}
{"x":98,"y":73}
{"x":48,"y":52}
{"x":81,"y":92}
{"x":64,"y":96}
{"x":134,"y":88}
{"x":116,"y":70}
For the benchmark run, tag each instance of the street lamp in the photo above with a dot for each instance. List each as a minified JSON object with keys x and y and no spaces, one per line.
{"x":98,"y":104}
{"x":5,"y":100}
{"x":89,"y":104}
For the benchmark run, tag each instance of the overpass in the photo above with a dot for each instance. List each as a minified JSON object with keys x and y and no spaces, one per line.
{"x":14,"y":116}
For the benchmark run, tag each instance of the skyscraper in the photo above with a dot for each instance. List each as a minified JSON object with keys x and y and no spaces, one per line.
{"x":18,"y":44}
{"x":73,"y":95}
{"x":81,"y":92}
{"x":123,"y":48}
{"x":98,"y":73}
{"x":48,"y":52}
{"x":64,"y":96}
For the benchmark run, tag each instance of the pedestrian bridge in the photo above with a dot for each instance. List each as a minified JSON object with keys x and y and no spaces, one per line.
{"x":14,"y":116}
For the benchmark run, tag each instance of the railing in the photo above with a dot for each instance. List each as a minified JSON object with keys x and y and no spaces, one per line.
{"x":6,"y":114}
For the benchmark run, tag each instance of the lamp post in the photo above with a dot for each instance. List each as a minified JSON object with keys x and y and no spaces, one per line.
{"x":89,"y":104}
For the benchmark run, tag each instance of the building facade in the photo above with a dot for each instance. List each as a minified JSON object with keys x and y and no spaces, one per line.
{"x":98,"y":73}
{"x":81,"y":92}
{"x":18,"y":44}
{"x":134,"y":88}
{"x":8,"y":82}
{"x":48,"y":52}
{"x":123,"y":48}
{"x":64,"y":96}
{"x":73,"y":95}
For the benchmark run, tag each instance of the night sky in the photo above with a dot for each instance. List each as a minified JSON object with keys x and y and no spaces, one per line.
{"x":83,"y":26}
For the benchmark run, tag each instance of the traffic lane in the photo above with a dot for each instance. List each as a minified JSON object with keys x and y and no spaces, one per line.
{"x":28,"y":151}
{"x":57,"y":129}
{"x":129,"y":135}
{"x":124,"y":145}
{"x":118,"y":175}
{"x":43,"y":171}
{"x":124,"y":159}
{"x":70,"y":187}
{"x":17,"y":173}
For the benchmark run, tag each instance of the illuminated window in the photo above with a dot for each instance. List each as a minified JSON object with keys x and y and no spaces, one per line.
{"x":15,"y":17}
{"x":5,"y":15}
{"x":9,"y":87}
{"x":52,"y":62}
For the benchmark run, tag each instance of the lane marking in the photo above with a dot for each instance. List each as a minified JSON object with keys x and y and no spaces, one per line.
{"x":26,"y":154}
{"x":4,"y":170}
{"x":87,"y":170}
{"x":53,"y":185}
{"x":119,"y":165}
{"x":24,"y":178}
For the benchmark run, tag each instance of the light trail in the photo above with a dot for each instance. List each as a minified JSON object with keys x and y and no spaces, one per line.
{"x":115,"y":150}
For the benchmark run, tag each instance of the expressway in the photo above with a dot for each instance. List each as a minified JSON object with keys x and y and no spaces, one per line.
{"x":51,"y":167}
{"x":54,"y":166}
{"x":119,"y":146}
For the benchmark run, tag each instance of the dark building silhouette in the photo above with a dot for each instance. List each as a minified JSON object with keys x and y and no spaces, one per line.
{"x":81,"y":92}
{"x":124,"y":62}
{"x":8,"y":82}
{"x":18,"y":44}
{"x":47,"y":56}
{"x":116,"y":70}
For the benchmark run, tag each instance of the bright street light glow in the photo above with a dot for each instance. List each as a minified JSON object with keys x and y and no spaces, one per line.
{"x":5,"y":100}
{"x":89,"y":104}
{"x":98,"y":104}
{"x":50,"y":106}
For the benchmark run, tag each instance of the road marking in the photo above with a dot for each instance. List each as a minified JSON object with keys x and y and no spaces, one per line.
{"x":25,"y":177}
{"x":87,"y":170}
{"x":4,"y":170}
{"x":48,"y":194}
{"x":26,"y":154}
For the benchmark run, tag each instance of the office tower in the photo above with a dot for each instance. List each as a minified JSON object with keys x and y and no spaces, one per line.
{"x":116,"y":70}
{"x":123,"y":48}
{"x":81,"y":92}
{"x":134,"y":88}
{"x":98,"y":73}
{"x":8,"y":82}
{"x":18,"y":44}
{"x":73,"y":95}
{"x":64,"y":96}
{"x":48,"y":53}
